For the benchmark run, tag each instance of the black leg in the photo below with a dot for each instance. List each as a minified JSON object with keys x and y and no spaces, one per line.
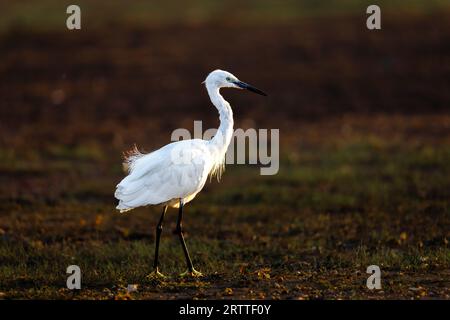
{"x":179,"y":230}
{"x":159,"y":228}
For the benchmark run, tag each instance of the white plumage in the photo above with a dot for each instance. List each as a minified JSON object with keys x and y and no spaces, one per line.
{"x":176,"y":171}
{"x":179,"y":170}
{"x":174,"y":174}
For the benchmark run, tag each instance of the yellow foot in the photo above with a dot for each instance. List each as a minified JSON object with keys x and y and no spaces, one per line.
{"x":155,"y":275}
{"x":191,"y":273}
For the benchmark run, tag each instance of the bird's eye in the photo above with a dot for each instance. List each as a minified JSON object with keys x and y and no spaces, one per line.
{"x":228,"y":78}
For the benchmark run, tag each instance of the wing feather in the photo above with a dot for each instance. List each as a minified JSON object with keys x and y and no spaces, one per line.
{"x":160,"y":177}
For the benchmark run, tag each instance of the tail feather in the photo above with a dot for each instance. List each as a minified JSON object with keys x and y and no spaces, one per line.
{"x":143,"y":184}
{"x":123,"y":208}
{"x":130,"y":157}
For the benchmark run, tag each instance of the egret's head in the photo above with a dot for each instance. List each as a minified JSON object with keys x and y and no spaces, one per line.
{"x":224,"y":79}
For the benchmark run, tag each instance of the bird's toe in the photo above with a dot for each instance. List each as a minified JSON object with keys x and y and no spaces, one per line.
{"x":191,"y":273}
{"x":155,"y":275}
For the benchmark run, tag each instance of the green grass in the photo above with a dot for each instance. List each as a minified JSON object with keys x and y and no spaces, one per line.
{"x":365,"y":164}
{"x":308,"y":232}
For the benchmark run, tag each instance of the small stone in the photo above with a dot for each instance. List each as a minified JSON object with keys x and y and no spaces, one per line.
{"x":132,"y":288}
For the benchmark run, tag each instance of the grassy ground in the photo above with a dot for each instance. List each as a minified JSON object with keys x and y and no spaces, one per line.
{"x":309,"y":232}
{"x":364,"y":174}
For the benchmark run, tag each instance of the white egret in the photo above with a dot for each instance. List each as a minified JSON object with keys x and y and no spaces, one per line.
{"x":174,"y":174}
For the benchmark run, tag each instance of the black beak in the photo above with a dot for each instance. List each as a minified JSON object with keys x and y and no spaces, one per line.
{"x":251,"y":88}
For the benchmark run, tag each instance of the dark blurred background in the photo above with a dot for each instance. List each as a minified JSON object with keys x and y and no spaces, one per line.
{"x":135,"y":69}
{"x":364,"y":131}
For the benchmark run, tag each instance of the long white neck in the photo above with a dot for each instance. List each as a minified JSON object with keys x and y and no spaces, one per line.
{"x":219,"y":144}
